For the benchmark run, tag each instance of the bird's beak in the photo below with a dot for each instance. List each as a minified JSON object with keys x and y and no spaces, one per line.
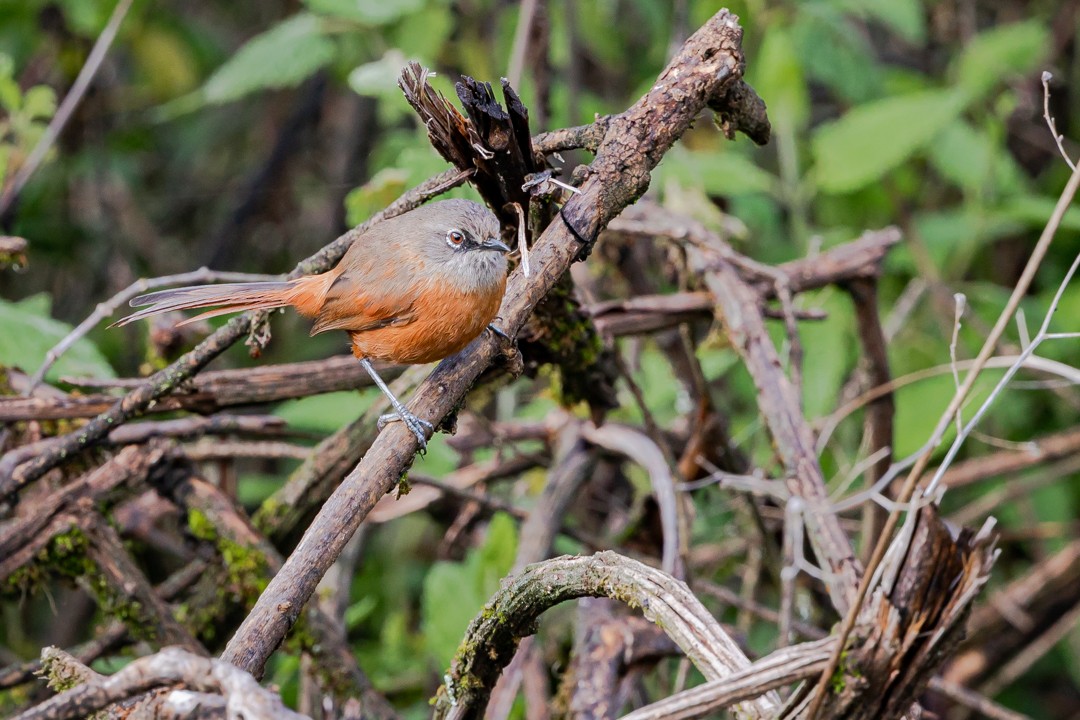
{"x":494,"y":244}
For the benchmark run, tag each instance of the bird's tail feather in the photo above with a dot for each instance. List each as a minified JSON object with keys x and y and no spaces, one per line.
{"x":227,"y":298}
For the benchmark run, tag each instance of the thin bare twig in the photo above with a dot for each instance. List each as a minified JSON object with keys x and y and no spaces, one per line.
{"x":67,"y":105}
{"x":1058,"y":138}
{"x":107,"y":308}
{"x":526,"y":14}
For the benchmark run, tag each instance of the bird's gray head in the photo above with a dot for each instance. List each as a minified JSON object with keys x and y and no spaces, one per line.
{"x":461,"y":238}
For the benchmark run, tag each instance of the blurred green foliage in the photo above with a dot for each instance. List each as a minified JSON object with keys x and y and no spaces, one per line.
{"x":883,"y":113}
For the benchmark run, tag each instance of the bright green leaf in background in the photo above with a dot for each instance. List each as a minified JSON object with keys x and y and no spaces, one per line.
{"x":830,"y":347}
{"x":379,"y":78}
{"x":326,"y":412}
{"x":282,"y":57}
{"x":872,"y":139}
{"x":366,"y":12}
{"x":970,"y":158}
{"x":455,"y":592}
{"x":778,"y":77}
{"x":1033,"y":211}
{"x":905,"y":17}
{"x":27,"y":333}
{"x":1002,"y":52}
{"x":835,"y":54}
{"x":717,"y":172}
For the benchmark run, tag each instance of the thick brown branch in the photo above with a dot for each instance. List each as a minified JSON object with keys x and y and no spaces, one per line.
{"x":210,"y":391}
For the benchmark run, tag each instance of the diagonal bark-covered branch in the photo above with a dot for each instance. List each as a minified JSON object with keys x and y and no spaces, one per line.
{"x":635,"y":142}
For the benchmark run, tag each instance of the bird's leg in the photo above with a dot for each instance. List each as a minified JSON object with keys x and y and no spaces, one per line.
{"x":420,"y":428}
{"x":499,"y":333}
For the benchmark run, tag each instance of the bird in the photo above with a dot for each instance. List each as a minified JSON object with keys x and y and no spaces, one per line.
{"x":411,"y":289}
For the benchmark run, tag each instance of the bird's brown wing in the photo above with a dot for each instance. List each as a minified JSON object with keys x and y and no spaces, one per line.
{"x":367,"y":296}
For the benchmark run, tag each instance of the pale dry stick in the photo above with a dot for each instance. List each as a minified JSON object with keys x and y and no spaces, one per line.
{"x":107,"y":308}
{"x":1047,"y":76}
{"x":1021,"y":329}
{"x":739,"y":305}
{"x":857,"y":470}
{"x":788,"y":573}
{"x":523,"y":245}
{"x":958,"y":314}
{"x":903,"y":307}
{"x":829,"y":423}
{"x":756,"y":484}
{"x":782,"y":667}
{"x":974,"y":701}
{"x":67,"y":105}
{"x":218,"y":449}
{"x":1041,"y":336}
{"x":1025,"y":658}
{"x":911,"y":482}
{"x":526,"y":14}
{"x":640,"y":448}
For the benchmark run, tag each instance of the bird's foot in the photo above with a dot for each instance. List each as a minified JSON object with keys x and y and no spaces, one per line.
{"x":499,"y":333}
{"x":419,"y":427}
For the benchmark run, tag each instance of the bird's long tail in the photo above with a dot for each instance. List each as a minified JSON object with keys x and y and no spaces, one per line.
{"x":230,"y":298}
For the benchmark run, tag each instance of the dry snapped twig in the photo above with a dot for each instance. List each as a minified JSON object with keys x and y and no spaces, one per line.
{"x":635,"y":143}
{"x":67,"y":106}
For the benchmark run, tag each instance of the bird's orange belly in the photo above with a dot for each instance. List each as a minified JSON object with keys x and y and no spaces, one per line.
{"x":441,"y":329}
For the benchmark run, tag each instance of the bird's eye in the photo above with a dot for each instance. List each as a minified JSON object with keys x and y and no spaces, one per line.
{"x":454,"y":238}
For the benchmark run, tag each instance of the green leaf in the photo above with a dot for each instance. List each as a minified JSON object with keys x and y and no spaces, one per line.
{"x":778,"y":78}
{"x":1035,"y":210}
{"x":379,"y":78}
{"x":905,"y":17}
{"x":39,"y":102}
{"x":1001,"y":53}
{"x":378,"y":192}
{"x":835,"y":54}
{"x":717,"y":172}
{"x":970,"y":158}
{"x":366,"y":12}
{"x":327,"y":412}
{"x":283,"y":56}
{"x":27,"y":333}
{"x":10,"y":94}
{"x":872,"y":139}
{"x":455,"y":592}
{"x":828,"y":353}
